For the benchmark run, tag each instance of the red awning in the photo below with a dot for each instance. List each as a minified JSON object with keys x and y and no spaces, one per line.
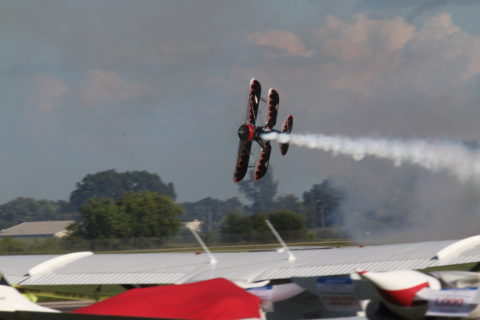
{"x":211,"y":299}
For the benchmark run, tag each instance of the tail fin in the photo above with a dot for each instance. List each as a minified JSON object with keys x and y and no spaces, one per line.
{"x":11,"y":300}
{"x":287,"y":128}
{"x":3,"y":280}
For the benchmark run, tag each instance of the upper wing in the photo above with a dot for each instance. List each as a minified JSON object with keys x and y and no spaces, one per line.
{"x":244,"y":148}
{"x":155,"y":268}
{"x":272,"y":105}
{"x":253,"y":101}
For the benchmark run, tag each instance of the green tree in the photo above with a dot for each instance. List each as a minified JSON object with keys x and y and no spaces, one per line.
{"x":289,"y":224}
{"x":103,"y":218}
{"x":145,"y":214}
{"x":261,"y":193}
{"x":151,"y":214}
{"x":286,"y":220}
{"x":112,"y":184}
{"x":253,"y":228}
{"x":211,"y":211}
{"x":259,"y":231}
{"x":289,"y":202}
{"x":235,"y":227}
{"x":320,"y":203}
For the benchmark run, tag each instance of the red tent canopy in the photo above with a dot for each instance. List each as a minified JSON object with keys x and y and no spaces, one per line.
{"x":211,"y":299}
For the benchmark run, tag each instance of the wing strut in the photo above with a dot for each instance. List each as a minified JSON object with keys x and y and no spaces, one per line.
{"x":205,"y":248}
{"x":291,"y":257}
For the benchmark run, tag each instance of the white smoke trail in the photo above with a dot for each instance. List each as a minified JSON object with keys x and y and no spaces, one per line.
{"x":435,"y":155}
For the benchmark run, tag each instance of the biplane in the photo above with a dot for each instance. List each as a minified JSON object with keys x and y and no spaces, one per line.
{"x":250,"y":132}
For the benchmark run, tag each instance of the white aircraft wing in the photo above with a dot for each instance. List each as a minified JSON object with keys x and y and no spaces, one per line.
{"x":155,"y":268}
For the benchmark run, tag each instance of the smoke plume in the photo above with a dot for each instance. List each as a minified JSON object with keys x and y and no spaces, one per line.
{"x":453,"y":157}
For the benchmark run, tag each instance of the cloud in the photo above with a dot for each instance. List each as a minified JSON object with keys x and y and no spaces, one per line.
{"x":441,"y":43}
{"x":101,"y":88}
{"x":362,"y":49}
{"x":363,"y":39}
{"x":368,"y":54}
{"x":424,"y":7}
{"x":48,"y":92}
{"x":105,"y":87}
{"x":285,"y":43}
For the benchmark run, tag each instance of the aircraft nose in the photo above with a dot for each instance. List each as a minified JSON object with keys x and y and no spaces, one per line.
{"x":243,"y":132}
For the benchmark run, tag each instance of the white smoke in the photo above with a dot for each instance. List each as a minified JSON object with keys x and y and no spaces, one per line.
{"x":452,"y":157}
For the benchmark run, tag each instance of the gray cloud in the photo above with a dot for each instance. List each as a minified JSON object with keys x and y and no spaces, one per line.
{"x":106,"y":87}
{"x":48,"y":92}
{"x":285,"y":42}
{"x":425,"y":8}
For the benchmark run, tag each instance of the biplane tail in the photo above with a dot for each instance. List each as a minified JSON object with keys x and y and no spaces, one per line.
{"x":287,"y":128}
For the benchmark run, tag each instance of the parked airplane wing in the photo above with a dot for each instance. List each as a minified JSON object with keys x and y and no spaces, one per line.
{"x":154,"y":268}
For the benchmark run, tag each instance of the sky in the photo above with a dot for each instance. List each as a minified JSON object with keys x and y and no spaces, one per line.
{"x":161,"y":86}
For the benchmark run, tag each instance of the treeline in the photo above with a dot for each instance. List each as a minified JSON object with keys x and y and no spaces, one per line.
{"x":138,"y":204}
{"x":318,"y":208}
{"x":105,"y":184}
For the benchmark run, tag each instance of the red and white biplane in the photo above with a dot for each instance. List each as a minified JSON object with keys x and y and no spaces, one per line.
{"x":249,"y":132}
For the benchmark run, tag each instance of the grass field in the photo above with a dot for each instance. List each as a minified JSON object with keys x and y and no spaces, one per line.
{"x":72,"y":292}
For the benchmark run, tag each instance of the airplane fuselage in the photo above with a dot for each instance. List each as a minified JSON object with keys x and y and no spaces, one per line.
{"x":249,"y":132}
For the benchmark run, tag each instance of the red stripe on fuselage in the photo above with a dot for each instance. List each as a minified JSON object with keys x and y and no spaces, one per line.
{"x":403,"y":297}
